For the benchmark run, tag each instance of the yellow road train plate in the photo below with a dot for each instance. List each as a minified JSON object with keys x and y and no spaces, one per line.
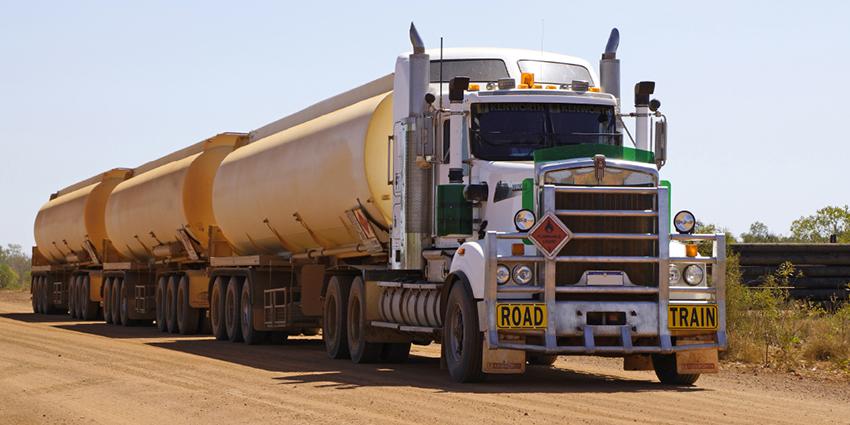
{"x":692,"y":317}
{"x":521,"y":316}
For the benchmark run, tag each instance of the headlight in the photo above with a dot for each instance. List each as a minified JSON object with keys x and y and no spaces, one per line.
{"x":675,"y":274}
{"x":684,"y":222}
{"x":524,"y":220}
{"x":503,"y":274}
{"x":523,"y":275}
{"x":694,"y":275}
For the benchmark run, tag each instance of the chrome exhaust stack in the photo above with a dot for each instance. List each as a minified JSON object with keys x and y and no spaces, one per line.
{"x":609,"y":66}
{"x":417,"y":179}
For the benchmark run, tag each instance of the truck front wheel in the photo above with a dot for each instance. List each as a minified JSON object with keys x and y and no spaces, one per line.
{"x":665,"y":370}
{"x":462,"y":338}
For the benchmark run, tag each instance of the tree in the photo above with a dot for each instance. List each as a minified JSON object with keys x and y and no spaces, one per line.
{"x":8,"y":277}
{"x":14,"y":257}
{"x":759,"y":233}
{"x":822,"y":224}
{"x":706,"y":247}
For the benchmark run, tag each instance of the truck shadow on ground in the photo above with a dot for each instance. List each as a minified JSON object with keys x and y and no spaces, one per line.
{"x":305,"y":363}
{"x":35,"y":318}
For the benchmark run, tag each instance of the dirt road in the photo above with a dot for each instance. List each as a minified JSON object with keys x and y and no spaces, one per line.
{"x":54,"y":370}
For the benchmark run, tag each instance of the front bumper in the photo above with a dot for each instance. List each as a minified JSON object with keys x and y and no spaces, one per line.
{"x":645,"y":330}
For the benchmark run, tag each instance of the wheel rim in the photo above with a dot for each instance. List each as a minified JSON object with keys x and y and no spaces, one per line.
{"x":456,"y":334}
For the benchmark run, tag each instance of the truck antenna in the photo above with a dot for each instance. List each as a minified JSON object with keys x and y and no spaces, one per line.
{"x":441,"y":73}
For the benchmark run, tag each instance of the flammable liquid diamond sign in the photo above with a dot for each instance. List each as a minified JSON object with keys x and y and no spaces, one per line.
{"x":549,"y":235}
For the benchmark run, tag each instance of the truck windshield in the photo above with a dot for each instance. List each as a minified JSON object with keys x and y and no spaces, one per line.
{"x":513,"y":131}
{"x":555,"y":72}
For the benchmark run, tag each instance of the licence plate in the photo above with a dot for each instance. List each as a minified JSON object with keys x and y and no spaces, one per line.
{"x":521,"y":316}
{"x":692,"y":316}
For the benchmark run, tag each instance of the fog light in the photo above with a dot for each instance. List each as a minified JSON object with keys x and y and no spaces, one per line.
{"x":684,"y":222}
{"x":503,"y":274}
{"x":675,"y":274}
{"x":524,"y":220}
{"x":523,"y":275}
{"x":694,"y":275}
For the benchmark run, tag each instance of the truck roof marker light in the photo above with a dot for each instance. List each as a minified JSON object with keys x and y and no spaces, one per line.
{"x":506,"y":83}
{"x":595,"y":90}
{"x":537,"y":86}
{"x":551,"y":87}
{"x":527,"y":78}
{"x":474,"y":87}
{"x":523,"y":86}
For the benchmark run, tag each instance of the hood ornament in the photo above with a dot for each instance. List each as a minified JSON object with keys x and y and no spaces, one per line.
{"x":599,"y":166}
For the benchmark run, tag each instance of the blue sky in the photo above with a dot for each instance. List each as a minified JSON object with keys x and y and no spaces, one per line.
{"x":755,"y":93}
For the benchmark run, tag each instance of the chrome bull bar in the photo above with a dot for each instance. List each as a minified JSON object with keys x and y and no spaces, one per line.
{"x":550,"y":289}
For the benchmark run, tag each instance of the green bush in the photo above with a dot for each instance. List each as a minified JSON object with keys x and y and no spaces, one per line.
{"x":767,"y":327}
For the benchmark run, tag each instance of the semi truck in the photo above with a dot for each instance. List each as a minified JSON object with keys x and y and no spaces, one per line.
{"x":493,"y":201}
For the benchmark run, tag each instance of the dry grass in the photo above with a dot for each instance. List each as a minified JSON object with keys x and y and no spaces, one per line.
{"x":766,"y":327}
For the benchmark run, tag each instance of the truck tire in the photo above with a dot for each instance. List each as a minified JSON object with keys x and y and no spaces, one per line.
{"x":395,"y":352}
{"x":231,"y":310}
{"x":461,"y":335}
{"x":187,"y":317}
{"x":219,"y":330}
{"x":361,"y":351}
{"x":107,"y":301}
{"x":665,"y":370}
{"x":72,"y":297}
{"x":89,"y":308}
{"x":34,"y":293}
{"x":124,"y":304}
{"x":159,"y":299}
{"x":246,"y":308}
{"x":334,"y":314}
{"x":171,"y":305}
{"x":537,"y":359}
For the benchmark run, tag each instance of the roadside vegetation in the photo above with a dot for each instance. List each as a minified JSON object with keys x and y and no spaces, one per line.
{"x":14,"y":268}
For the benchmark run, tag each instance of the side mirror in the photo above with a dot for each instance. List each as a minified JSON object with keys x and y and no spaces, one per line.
{"x":661,"y":143}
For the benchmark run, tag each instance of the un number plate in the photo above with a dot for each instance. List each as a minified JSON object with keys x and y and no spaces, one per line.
{"x":521,"y":316}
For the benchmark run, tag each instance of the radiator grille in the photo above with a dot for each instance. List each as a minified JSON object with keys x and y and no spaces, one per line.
{"x":645,"y":274}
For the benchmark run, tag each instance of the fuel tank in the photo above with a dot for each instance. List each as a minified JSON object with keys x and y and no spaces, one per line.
{"x":289,"y":188}
{"x":146,"y":213}
{"x":72,"y":223}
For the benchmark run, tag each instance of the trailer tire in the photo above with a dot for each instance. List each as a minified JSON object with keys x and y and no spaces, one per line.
{"x":89,"y":308}
{"x":124,"y":304}
{"x":187,"y":316}
{"x":159,"y":300}
{"x":334,"y":314}
{"x":395,"y":352}
{"x":541,"y":359}
{"x":462,"y":338}
{"x":72,"y":297}
{"x":246,"y":308}
{"x":361,"y":350}
{"x":219,"y":329}
{"x":34,"y":293}
{"x":665,"y":370}
{"x":46,"y":307}
{"x":80,"y":297}
{"x":107,"y":301}
{"x":171,"y":305}
{"x":231,"y":310}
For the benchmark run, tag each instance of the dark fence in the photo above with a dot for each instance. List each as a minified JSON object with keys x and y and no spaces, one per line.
{"x":821,"y":271}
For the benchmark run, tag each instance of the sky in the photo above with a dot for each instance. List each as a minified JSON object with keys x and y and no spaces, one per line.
{"x":755,"y":92}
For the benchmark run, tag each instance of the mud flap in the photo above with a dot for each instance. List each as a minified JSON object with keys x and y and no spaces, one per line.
{"x":637,"y":362}
{"x":696,"y":361}
{"x":500,"y":361}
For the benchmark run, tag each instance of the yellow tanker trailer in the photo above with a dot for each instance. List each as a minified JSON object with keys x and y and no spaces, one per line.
{"x":159,"y":224}
{"x":70,"y":231}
